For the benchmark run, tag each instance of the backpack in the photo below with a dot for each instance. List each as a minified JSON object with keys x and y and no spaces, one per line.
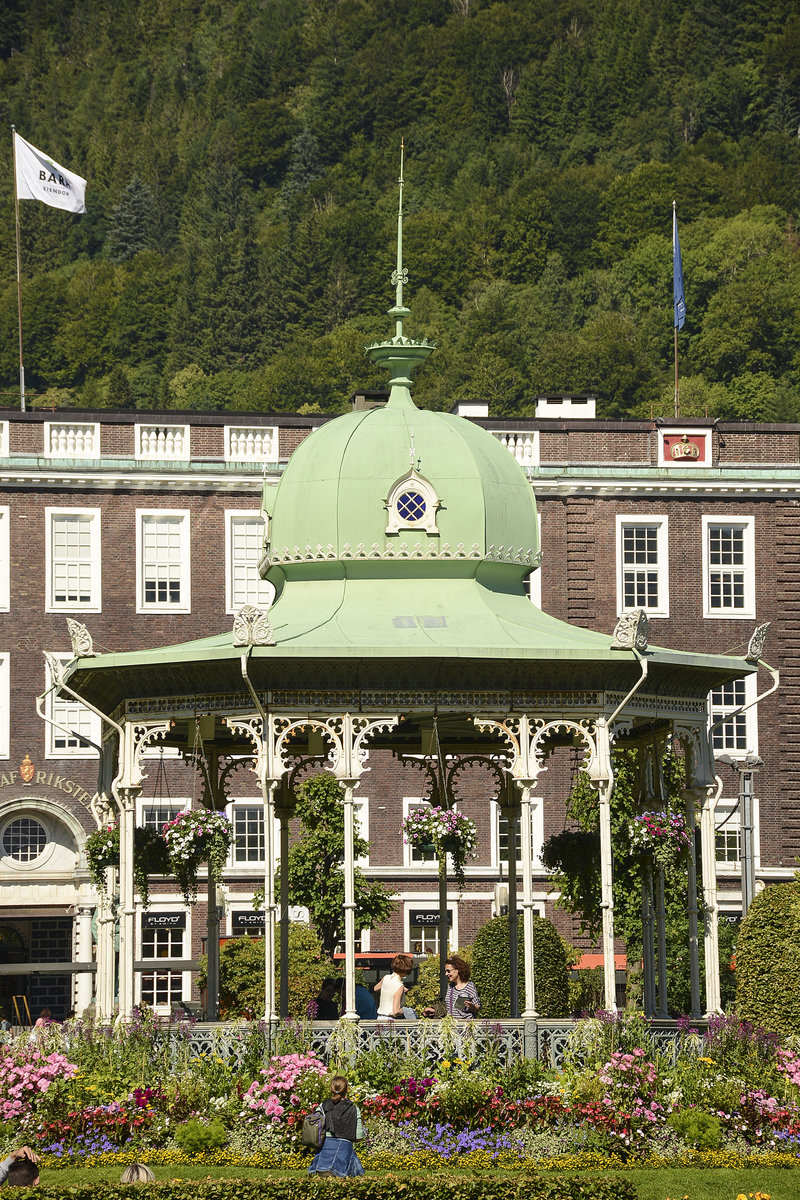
{"x":313,"y":1132}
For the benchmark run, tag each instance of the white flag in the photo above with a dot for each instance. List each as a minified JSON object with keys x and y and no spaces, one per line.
{"x":40,"y":178}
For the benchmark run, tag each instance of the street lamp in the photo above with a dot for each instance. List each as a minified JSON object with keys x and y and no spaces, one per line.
{"x":747,"y":767}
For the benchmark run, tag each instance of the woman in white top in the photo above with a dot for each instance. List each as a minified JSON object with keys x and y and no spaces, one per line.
{"x":392,"y":989}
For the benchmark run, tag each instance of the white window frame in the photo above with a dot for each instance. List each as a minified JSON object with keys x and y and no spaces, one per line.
{"x":727,"y":817}
{"x":425,"y":904}
{"x":179,"y":803}
{"x":54,"y":709}
{"x":361,"y":819}
{"x":537,"y":838}
{"x":5,"y":449}
{"x":93,"y":517}
{"x":183,"y":515}
{"x":750,"y":717}
{"x":5,"y":559}
{"x":5,"y":705}
{"x":660,"y":522}
{"x":253,"y":864}
{"x":161,"y":965}
{"x":231,"y":517}
{"x":748,"y":609}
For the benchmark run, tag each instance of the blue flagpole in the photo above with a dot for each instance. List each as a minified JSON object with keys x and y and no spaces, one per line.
{"x":678,"y":297}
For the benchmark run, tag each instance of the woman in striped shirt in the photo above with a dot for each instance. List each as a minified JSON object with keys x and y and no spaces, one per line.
{"x":462,"y":998}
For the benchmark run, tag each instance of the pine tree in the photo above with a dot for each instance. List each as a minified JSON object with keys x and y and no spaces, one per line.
{"x":134,"y":223}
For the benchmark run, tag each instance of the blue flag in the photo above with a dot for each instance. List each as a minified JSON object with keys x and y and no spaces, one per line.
{"x":677,"y":275}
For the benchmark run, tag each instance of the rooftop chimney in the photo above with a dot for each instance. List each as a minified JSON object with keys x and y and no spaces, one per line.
{"x":471,"y":408}
{"x":571,"y":407}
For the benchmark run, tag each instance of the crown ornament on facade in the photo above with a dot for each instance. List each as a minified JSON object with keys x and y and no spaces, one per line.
{"x":252,"y":627}
{"x":81,"y":639}
{"x":631,"y":631}
{"x":755,"y":647}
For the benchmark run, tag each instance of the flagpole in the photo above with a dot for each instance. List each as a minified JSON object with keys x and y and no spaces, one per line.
{"x":19,"y":272}
{"x":677,"y":401}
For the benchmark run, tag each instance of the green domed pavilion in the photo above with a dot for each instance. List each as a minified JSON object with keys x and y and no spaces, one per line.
{"x":399,"y":541}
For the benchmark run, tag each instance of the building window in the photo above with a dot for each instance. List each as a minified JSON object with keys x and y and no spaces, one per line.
{"x":502,"y":840}
{"x":642,"y":565}
{"x":162,"y":943}
{"x":727,"y":839}
{"x":5,"y":704}
{"x":340,"y":948}
{"x":244,"y":536}
{"x":412,"y":504}
{"x":248,"y":834}
{"x":73,"y":560}
{"x":423,"y":930}
{"x":155,"y":816}
{"x":5,"y":561}
{"x":162,"y":989}
{"x":24,"y":839}
{"x":728,"y":560}
{"x":739,"y":733}
{"x":74,"y":728}
{"x":163,"y":562}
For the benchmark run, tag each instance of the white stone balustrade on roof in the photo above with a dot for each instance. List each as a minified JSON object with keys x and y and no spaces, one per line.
{"x":251,"y":443}
{"x":169,"y":442}
{"x":523,"y":444}
{"x":71,"y":439}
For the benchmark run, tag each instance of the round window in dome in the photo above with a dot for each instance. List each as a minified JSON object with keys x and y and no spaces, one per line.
{"x":24,"y":839}
{"x":411,"y":506}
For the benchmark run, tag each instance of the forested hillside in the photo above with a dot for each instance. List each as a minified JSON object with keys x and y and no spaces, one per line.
{"x":242,"y":162}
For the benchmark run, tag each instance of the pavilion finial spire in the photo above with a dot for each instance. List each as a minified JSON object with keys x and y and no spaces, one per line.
{"x":400,"y":354}
{"x":400,"y":273}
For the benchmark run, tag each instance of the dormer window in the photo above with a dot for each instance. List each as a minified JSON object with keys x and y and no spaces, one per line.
{"x":412,"y":504}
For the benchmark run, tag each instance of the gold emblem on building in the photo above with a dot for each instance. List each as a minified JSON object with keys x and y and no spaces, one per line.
{"x":684,"y":448}
{"x":26,"y":769}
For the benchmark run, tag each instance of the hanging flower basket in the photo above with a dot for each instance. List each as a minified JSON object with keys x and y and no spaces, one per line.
{"x":446,"y":832}
{"x":149,"y":857}
{"x":193,"y":837}
{"x":662,"y":836}
{"x":102,"y":852}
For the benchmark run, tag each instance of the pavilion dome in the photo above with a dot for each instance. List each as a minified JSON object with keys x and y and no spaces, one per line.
{"x":401,"y":485}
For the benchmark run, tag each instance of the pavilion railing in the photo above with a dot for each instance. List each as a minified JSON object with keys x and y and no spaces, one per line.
{"x":502,"y":1042}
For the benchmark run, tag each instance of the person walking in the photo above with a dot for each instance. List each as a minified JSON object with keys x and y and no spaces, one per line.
{"x":392,"y":989}
{"x":337,"y":1155}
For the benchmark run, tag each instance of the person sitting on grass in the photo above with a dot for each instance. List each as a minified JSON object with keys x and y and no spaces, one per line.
{"x":137,"y":1173}
{"x":337,"y":1155}
{"x":20,"y":1169}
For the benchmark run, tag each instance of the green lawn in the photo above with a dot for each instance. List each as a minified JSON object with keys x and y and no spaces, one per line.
{"x":697,"y":1184}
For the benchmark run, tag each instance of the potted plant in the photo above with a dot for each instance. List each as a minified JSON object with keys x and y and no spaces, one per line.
{"x":193,"y":837}
{"x":445,"y":831}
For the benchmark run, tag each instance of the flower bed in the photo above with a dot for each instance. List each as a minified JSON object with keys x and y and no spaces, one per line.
{"x":88,"y":1093}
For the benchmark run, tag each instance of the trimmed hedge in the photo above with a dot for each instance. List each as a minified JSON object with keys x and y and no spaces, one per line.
{"x":491,"y":969}
{"x":768,"y":960}
{"x":379,"y":1187}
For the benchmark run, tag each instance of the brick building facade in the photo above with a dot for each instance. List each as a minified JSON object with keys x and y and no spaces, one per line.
{"x":147,"y":529}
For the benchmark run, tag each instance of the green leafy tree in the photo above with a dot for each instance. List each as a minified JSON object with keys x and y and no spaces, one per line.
{"x":316,"y":878}
{"x":241,"y":972}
